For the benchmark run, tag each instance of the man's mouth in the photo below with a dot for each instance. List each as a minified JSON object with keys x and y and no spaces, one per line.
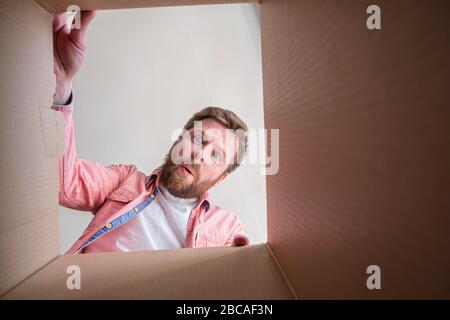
{"x":187,"y":170}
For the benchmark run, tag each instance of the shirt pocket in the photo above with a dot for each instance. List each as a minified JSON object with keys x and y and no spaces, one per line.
{"x":123,"y":195}
{"x":117,"y":200}
{"x":205,"y":241}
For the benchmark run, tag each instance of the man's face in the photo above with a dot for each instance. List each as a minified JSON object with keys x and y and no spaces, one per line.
{"x":198,"y":160}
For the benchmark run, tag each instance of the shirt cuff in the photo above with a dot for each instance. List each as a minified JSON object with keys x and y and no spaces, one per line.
{"x":68,"y":104}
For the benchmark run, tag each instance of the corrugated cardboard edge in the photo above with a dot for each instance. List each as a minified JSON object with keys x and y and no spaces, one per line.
{"x":3,"y":295}
{"x":60,"y":6}
{"x":45,"y":6}
{"x":280,"y":269}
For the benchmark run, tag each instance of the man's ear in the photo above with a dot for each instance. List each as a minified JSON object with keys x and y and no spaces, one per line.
{"x":220,"y":179}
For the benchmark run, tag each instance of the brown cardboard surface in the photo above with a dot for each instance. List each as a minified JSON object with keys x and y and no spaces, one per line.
{"x":364,"y":178}
{"x":29,"y":142}
{"x":365,"y":146}
{"x":214,"y":273}
{"x":62,"y":5}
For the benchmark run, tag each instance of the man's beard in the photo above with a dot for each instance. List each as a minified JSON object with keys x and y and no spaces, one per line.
{"x":176,"y":182}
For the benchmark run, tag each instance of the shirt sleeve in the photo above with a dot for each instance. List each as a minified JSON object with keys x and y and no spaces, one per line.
{"x":84,"y":185}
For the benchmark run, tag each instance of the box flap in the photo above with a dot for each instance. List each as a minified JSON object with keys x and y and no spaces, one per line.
{"x":364,"y":146}
{"x":30,"y":142}
{"x":212,"y":273}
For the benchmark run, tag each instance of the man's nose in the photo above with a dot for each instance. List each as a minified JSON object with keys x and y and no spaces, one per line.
{"x":197,"y":154}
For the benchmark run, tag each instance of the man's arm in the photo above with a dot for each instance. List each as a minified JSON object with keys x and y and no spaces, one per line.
{"x":84,"y":185}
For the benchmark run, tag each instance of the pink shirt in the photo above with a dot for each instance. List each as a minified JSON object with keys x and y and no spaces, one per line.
{"x":161,"y":225}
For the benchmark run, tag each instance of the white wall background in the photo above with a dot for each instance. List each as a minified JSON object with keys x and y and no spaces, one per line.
{"x":147,"y":72}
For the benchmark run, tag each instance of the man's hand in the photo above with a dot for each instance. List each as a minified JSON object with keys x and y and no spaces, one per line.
{"x":240,"y":240}
{"x":69,"y":51}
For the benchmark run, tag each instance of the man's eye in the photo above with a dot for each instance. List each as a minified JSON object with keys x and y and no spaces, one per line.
{"x":197,"y":139}
{"x":217,"y":156}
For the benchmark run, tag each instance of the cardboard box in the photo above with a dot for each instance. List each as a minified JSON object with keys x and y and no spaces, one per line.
{"x":364,"y":173}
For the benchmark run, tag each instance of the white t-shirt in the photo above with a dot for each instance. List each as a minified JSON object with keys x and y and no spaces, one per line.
{"x":161,"y":225}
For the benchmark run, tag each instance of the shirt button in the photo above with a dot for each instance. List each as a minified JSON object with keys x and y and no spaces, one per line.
{"x":152,"y":196}
{"x":136,"y":209}
{"x":108,"y":226}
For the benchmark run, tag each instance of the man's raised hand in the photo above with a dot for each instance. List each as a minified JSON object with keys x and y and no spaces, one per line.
{"x":69,"y":51}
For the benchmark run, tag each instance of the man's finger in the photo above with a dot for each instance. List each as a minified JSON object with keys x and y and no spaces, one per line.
{"x":59,"y":20}
{"x":78,"y":35}
{"x":240,"y":240}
